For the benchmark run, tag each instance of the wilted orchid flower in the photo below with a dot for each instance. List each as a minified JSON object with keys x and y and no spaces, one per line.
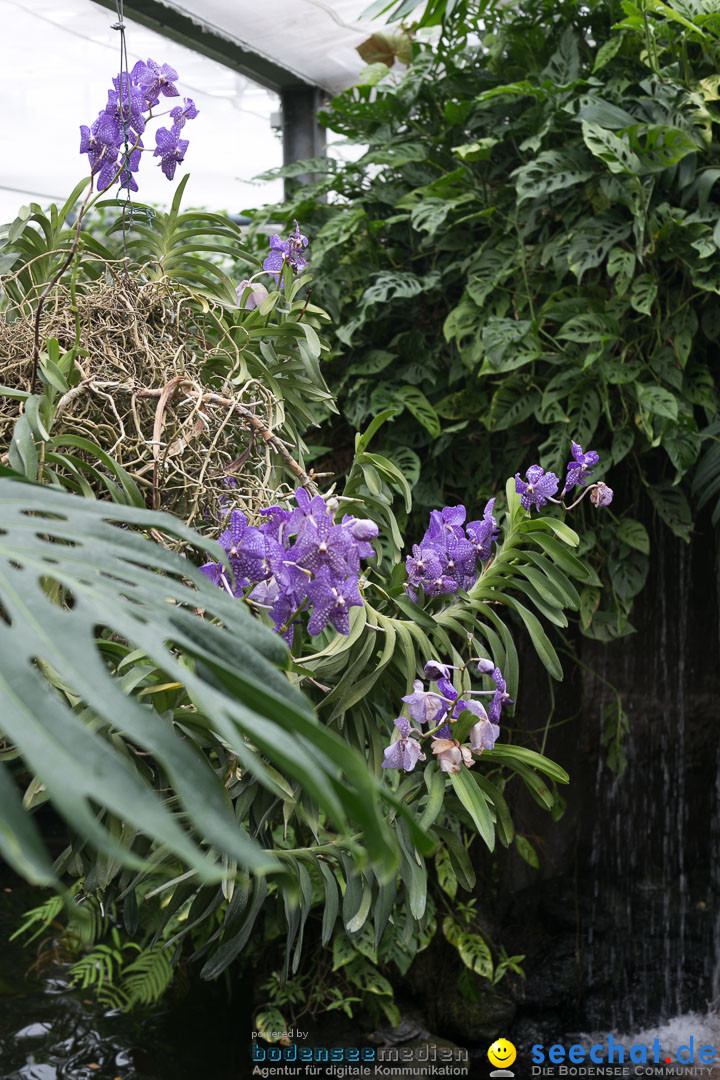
{"x":451,"y":756}
{"x":406,"y":752}
{"x":601,"y":495}
{"x":423,"y":706}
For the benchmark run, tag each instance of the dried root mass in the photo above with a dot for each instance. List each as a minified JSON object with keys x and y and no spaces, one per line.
{"x":144,"y":395}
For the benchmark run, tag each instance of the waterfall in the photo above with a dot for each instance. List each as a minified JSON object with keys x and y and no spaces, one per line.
{"x":635,"y":962}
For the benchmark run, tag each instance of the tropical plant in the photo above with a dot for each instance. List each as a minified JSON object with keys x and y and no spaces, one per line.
{"x":525,"y":253}
{"x":211,"y":780}
{"x":157,"y":385}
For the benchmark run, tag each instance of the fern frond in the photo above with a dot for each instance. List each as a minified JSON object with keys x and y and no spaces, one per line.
{"x":148,"y":977}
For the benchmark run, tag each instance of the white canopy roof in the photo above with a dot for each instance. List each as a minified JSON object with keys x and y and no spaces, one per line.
{"x":314,"y":39}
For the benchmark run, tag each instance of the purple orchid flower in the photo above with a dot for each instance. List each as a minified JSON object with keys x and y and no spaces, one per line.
{"x":170,"y":149}
{"x":483,"y":533}
{"x":578,"y":470}
{"x":182,"y":113}
{"x":540,"y":487}
{"x":332,"y":600}
{"x":154,"y":80}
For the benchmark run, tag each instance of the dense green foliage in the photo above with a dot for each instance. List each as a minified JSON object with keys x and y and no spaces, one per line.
{"x":220,"y":794}
{"x":202,"y":790}
{"x":527,"y":252}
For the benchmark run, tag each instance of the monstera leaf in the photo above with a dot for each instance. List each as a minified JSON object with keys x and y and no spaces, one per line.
{"x":88,"y":602}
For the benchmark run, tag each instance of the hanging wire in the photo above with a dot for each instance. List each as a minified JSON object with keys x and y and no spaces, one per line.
{"x":127,"y":215}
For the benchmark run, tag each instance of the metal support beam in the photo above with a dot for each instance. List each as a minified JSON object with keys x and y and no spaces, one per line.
{"x":303,"y":136}
{"x":195,"y":33}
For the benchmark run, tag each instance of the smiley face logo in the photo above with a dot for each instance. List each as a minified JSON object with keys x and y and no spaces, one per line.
{"x":502,"y":1053}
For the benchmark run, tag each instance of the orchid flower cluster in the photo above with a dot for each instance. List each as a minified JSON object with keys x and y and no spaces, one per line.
{"x":282,"y":253}
{"x":447,"y":557}
{"x":440,"y":709}
{"x":122,"y":122}
{"x":539,"y":486}
{"x":296,"y":560}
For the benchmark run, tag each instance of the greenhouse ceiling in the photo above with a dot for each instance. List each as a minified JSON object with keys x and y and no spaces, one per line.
{"x":57,"y":59}
{"x":277,"y":42}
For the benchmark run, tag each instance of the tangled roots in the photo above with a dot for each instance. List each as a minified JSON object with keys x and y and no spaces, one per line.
{"x":158,"y":391}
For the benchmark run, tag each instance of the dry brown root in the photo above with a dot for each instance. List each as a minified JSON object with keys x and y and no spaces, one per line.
{"x":142,"y":397}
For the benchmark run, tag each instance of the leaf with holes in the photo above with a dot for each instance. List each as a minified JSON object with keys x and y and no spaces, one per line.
{"x":416,"y":402}
{"x":643,"y":293}
{"x":72,"y":580}
{"x":614,"y":151}
{"x":634,"y":534}
{"x":658,"y":400}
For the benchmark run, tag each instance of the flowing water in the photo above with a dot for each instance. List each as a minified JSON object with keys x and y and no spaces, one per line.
{"x":651,"y":949}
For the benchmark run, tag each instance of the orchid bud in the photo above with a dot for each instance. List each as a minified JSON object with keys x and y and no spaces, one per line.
{"x":258,"y":293}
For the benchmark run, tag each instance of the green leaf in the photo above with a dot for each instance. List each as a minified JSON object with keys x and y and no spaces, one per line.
{"x":363,"y":441}
{"x":233,"y":946}
{"x":660,"y":147}
{"x":416,"y":402}
{"x":628,"y":574}
{"x":270,"y":1024}
{"x":657,"y":400}
{"x":527,"y":851}
{"x":634,"y":534}
{"x":460,"y":860}
{"x":621,"y":265}
{"x":643,"y":294}
{"x":543,"y":646}
{"x":367,"y":978}
{"x":607,"y":51}
{"x":592,"y":239}
{"x":550,"y":171}
{"x":332,"y":901}
{"x":475,"y":954}
{"x":674,"y":508}
{"x":587,"y":328}
{"x":479,"y":150}
{"x":447,"y":878}
{"x":344,"y":952}
{"x":20,"y":843}
{"x":475,"y":803}
{"x":564,"y":65}
{"x":504,"y":753}
{"x":56,"y":547}
{"x":612,"y":150}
